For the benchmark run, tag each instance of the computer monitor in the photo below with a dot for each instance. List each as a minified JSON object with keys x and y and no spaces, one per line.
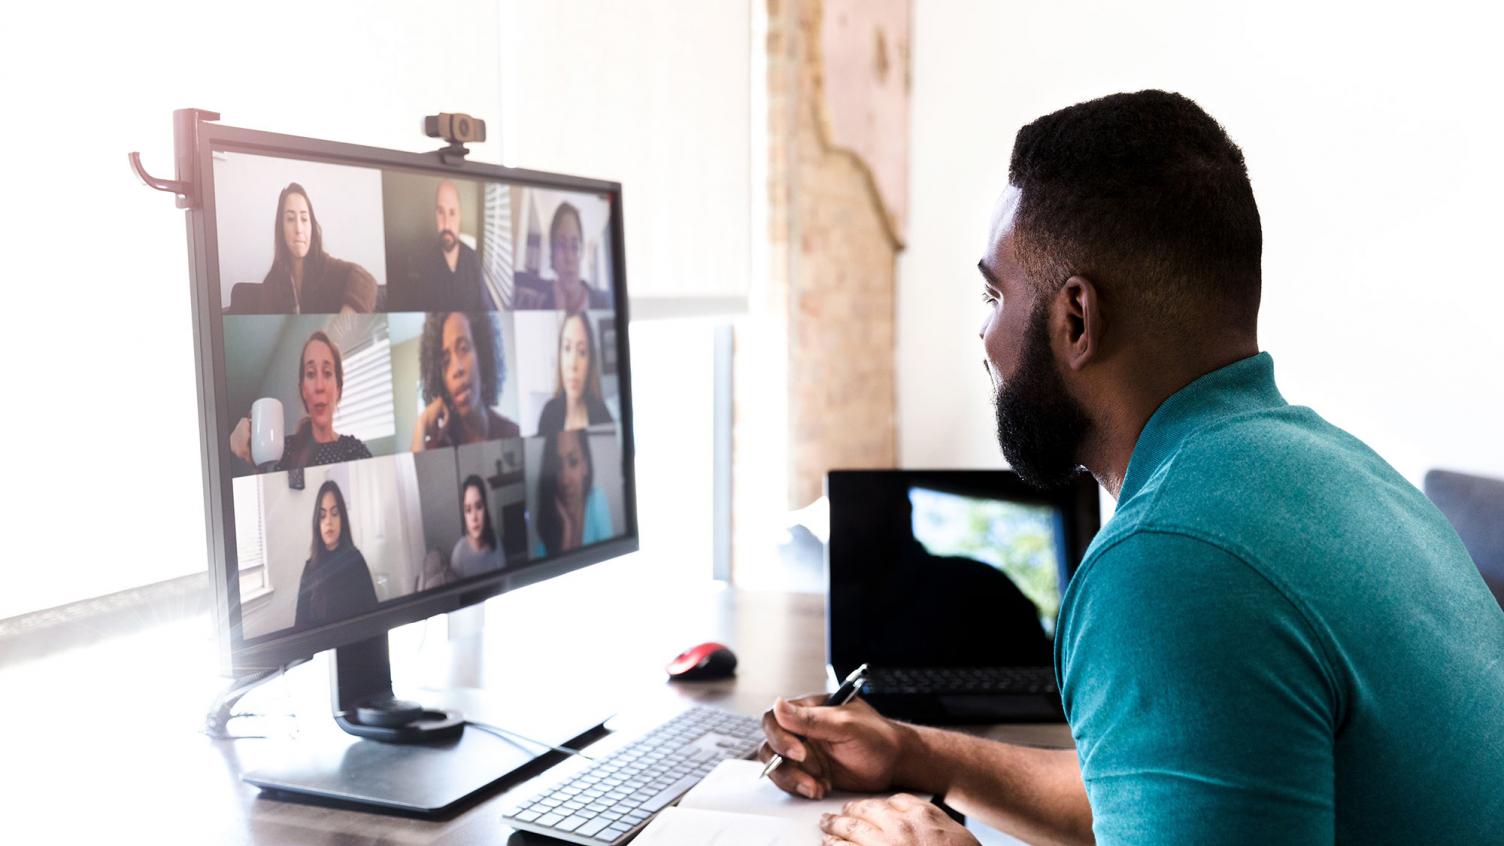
{"x":415,"y":392}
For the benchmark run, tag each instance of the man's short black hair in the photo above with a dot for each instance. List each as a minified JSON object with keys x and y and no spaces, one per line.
{"x":1147,"y":196}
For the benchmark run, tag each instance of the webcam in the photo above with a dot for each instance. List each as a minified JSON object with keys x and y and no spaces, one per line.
{"x":455,"y":128}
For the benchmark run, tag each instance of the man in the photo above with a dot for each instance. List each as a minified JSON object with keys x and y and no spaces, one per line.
{"x":1276,"y":639}
{"x":447,"y":273}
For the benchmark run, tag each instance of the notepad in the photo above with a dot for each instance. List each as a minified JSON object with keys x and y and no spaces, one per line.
{"x":731,"y":806}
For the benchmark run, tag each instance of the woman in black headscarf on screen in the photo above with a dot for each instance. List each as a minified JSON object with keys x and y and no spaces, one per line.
{"x":336,"y":583}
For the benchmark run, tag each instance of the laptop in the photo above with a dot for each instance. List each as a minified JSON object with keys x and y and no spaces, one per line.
{"x":946,"y":583}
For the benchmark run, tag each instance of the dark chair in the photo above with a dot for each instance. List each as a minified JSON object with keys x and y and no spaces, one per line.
{"x":1475,"y":507}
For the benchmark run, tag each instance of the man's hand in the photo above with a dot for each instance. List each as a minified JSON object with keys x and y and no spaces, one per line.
{"x":900,"y":820}
{"x":851,"y":747}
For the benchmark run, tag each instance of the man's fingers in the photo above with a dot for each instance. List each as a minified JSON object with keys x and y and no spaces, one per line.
{"x":783,"y":742}
{"x":855,"y":829}
{"x":904,"y":801}
{"x":873,"y":811}
{"x":790,"y":778}
{"x":810,"y":720}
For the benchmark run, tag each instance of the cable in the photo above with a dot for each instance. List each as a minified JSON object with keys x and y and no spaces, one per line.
{"x":506,"y":734}
{"x":216,"y":722}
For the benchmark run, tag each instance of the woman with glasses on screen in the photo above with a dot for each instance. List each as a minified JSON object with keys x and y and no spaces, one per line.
{"x":479,"y":549}
{"x":321,"y":383}
{"x":463,"y":371}
{"x":336,"y":583}
{"x":567,"y":291}
{"x":577,"y":400}
{"x":303,"y":279}
{"x":572,"y":511}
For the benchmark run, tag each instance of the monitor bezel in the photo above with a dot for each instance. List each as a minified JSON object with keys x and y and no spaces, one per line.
{"x":277,"y":649}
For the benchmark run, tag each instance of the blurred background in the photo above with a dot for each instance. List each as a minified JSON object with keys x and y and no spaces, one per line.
{"x":806,"y":187}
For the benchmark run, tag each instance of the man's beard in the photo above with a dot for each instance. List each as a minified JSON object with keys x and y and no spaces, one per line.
{"x":1040,"y":427}
{"x":448,"y":240}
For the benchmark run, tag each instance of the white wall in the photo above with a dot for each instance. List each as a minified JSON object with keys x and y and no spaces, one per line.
{"x":101,"y":417}
{"x":1372,"y":138}
{"x":654,"y":94}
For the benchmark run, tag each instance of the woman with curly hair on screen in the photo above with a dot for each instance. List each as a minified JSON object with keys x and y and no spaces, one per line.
{"x":460,"y":359}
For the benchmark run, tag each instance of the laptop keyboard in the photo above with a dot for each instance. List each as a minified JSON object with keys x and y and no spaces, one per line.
{"x":608,"y":802}
{"x":886,"y":681}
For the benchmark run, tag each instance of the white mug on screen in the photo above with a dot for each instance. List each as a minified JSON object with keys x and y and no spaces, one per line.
{"x":267,"y":431}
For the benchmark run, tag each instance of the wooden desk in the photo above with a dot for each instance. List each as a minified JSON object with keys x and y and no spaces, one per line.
{"x":104,"y":743}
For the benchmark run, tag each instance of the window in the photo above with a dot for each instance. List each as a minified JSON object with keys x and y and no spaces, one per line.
{"x":255,"y":578}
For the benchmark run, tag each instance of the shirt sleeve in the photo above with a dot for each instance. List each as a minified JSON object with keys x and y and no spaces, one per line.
{"x":1200,"y":699}
{"x":360,"y":290}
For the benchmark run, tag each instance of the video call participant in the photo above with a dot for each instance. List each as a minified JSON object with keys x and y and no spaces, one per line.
{"x":460,"y":358}
{"x":445,"y":275}
{"x":567,"y":291}
{"x":303,"y":279}
{"x":577,"y":400}
{"x":572,"y":511}
{"x":321,"y":383}
{"x":479,"y":549}
{"x":336,"y":583}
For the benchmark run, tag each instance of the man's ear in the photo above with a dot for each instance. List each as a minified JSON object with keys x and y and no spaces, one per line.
{"x":1081,"y":323}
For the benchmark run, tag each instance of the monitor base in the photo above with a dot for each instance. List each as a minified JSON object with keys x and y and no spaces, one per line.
{"x":407,"y":778}
{"x":425,"y":726}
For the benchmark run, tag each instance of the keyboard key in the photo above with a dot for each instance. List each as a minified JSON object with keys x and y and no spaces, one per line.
{"x":669,"y":794}
{"x":590,"y":829}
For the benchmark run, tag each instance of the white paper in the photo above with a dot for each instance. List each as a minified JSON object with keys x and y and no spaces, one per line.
{"x":695,"y":827}
{"x":734,"y":786}
{"x":732,"y":806}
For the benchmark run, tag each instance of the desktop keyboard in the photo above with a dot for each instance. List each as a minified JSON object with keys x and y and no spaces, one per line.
{"x":939,"y":680}
{"x":608,"y":802}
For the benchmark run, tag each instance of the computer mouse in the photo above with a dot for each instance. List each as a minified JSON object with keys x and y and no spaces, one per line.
{"x":701,"y":663}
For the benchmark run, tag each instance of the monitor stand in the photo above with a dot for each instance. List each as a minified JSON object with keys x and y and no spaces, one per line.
{"x":388,"y":754}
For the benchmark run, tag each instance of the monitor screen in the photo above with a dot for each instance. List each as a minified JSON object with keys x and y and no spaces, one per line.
{"x":420,"y":385}
{"x":1021,"y":542}
{"x":950,"y":568}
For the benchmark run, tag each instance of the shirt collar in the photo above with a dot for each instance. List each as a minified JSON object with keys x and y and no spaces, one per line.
{"x":1243,"y":386}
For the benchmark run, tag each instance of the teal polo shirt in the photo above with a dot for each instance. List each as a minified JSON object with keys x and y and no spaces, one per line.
{"x":1277,"y":639}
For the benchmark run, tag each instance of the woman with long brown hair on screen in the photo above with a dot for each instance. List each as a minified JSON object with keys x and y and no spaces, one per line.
{"x":572,"y":511}
{"x":303,"y":279}
{"x":336,"y":583}
{"x":577,"y":400}
{"x":479,"y":549}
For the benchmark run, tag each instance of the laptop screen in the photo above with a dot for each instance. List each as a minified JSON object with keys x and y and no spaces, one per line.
{"x":1023,"y":542}
{"x":950,"y":568}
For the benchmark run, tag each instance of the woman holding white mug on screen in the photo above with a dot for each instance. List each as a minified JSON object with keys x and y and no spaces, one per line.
{"x":321,"y":383}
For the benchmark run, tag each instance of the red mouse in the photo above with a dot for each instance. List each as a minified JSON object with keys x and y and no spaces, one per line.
{"x":701,"y":663}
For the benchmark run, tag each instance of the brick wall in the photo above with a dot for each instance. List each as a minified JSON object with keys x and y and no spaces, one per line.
{"x":832,"y":245}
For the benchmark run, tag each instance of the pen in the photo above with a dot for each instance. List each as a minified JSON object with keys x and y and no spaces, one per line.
{"x":843,"y":694}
